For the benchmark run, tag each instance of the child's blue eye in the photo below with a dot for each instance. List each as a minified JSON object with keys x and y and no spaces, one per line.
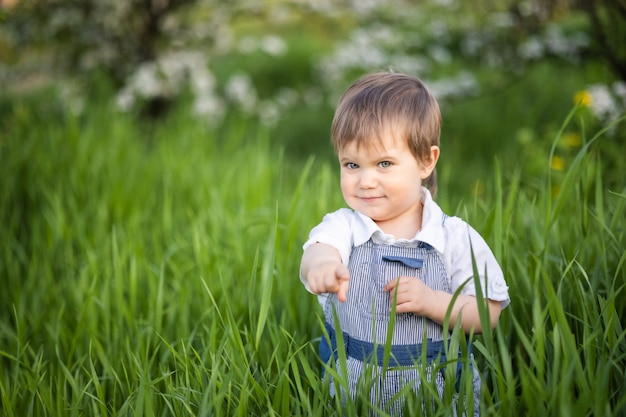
{"x":351,"y":165}
{"x":384,"y":164}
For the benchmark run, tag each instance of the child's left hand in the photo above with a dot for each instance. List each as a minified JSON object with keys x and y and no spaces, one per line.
{"x":413,"y":295}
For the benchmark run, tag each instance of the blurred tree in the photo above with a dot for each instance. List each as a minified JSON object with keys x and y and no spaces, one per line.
{"x":608,"y":25}
{"x":142,"y":45}
{"x":114,"y":36}
{"x":131,"y":42}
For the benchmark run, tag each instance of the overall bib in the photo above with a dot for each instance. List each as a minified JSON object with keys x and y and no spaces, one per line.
{"x":364,"y":320}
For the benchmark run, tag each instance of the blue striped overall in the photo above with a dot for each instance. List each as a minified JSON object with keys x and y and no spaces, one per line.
{"x":364,"y":320}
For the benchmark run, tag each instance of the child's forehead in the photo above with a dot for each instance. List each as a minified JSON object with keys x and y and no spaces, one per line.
{"x":375,"y":144}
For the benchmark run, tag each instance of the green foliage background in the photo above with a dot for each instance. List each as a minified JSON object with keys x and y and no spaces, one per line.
{"x":149,"y":257}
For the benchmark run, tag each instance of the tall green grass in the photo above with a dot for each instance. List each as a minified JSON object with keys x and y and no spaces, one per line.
{"x":154,"y":271}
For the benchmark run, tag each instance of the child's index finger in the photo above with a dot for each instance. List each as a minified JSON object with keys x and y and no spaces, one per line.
{"x":391,"y":285}
{"x":343,"y":281}
{"x":342,"y":292}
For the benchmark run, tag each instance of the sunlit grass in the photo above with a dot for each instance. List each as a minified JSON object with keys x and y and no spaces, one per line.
{"x":155,"y":272}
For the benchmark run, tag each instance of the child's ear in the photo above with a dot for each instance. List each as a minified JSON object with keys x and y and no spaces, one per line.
{"x":428,"y":165}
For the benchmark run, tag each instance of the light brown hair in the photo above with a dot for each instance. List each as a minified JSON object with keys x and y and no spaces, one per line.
{"x":384,"y":102}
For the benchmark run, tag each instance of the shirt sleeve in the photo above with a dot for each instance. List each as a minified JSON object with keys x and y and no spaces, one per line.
{"x":465,"y":243}
{"x":334,"y":230}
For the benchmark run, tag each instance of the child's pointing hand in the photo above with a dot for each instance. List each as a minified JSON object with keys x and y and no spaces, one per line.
{"x":324,"y":272}
{"x":330,"y":277}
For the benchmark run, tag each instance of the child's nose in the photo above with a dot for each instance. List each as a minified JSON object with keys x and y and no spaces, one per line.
{"x":367,"y":179}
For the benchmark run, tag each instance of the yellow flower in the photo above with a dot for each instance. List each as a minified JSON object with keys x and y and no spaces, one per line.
{"x":583,"y":97}
{"x":572,"y":140}
{"x":557,"y":163}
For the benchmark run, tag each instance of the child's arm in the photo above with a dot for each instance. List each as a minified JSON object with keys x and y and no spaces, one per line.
{"x":415,"y":297}
{"x":323,"y":270}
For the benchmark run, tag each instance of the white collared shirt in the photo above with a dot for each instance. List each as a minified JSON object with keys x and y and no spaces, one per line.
{"x":346,"y":228}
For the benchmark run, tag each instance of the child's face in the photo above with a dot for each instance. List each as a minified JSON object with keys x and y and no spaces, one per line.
{"x":383,"y":181}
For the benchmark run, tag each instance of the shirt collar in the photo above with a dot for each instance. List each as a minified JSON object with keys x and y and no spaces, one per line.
{"x":431,"y":233}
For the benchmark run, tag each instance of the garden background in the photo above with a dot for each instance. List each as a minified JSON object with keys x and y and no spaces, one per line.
{"x":162,"y":161}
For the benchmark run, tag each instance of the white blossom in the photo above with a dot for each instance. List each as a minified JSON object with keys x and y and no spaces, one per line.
{"x":619,"y":88}
{"x":463,"y":84}
{"x":533,"y":48}
{"x":145,"y":82}
{"x":440,"y":54}
{"x":167,"y":77}
{"x":273,"y":45}
{"x":210,"y":106}
{"x":241,"y":91}
{"x":269,"y":113}
{"x":603,"y":105}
